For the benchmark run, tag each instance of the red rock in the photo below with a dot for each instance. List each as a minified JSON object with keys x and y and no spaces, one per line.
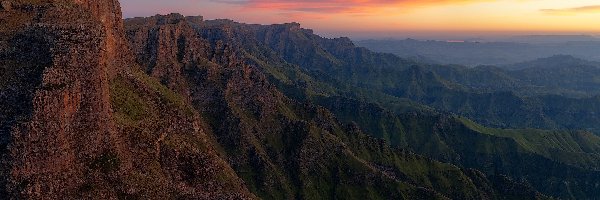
{"x":6,"y":5}
{"x":65,"y":142}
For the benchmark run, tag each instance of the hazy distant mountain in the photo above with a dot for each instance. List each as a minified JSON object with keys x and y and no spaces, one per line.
{"x":489,"y":53}
{"x":555,"y":62}
{"x":551,"y":38}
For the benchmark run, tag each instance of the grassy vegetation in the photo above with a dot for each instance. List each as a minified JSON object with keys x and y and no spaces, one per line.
{"x":160,"y":123}
{"x":127,"y":102}
{"x":371,"y":97}
{"x":297,"y":150}
{"x":576,"y":148}
{"x":168,"y":97}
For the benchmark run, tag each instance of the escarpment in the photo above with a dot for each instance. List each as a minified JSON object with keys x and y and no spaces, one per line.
{"x":167,"y":46}
{"x":281,"y":148}
{"x":62,"y":119}
{"x":115,"y":50}
{"x":78,"y":119}
{"x":175,"y":107}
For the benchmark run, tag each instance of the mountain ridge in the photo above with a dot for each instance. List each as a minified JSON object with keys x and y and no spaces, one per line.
{"x":226,"y":36}
{"x":477,"y":52}
{"x":308,"y":87}
{"x":175,"y":107}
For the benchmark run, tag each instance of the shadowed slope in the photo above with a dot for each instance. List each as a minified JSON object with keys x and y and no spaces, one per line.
{"x":282,"y":148}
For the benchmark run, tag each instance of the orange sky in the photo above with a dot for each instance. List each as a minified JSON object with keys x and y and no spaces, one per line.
{"x":355,"y":16}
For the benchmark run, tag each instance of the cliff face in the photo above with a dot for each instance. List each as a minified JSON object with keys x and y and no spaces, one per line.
{"x":79,"y":119}
{"x":67,"y":115}
{"x":354,"y":74}
{"x":69,"y":96}
{"x":166,"y":45}
{"x":281,"y":148}
{"x":115,"y":50}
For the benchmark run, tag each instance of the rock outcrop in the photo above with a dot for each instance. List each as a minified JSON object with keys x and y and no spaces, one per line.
{"x":69,"y":119}
{"x":190,"y":112}
{"x":115,"y":50}
{"x":68,"y":91}
{"x":166,"y":44}
{"x":281,"y":148}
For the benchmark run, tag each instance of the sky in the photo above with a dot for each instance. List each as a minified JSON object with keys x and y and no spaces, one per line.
{"x":394,"y":18}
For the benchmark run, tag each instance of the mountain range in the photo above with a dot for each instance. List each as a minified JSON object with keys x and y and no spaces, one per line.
{"x":500,"y":52}
{"x":176,"y":107}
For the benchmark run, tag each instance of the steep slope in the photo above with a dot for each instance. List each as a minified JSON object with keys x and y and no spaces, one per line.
{"x":345,"y":63}
{"x":69,"y":96}
{"x":281,"y":148}
{"x":522,"y":154}
{"x":80,"y":119}
{"x":175,"y":153}
{"x":437,"y":136}
{"x":577,"y":148}
{"x":70,"y":121}
{"x":447,"y":143}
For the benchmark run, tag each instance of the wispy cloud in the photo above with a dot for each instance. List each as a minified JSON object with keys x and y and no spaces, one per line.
{"x":575,"y":10}
{"x":337,"y":6}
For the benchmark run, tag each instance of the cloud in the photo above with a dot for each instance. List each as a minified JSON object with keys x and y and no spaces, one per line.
{"x":570,"y":11}
{"x":337,"y":6}
{"x":231,"y":1}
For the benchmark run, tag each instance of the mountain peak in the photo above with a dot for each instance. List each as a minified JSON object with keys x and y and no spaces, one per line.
{"x":173,"y":18}
{"x":293,"y":25}
{"x":195,"y":19}
{"x":344,"y":40}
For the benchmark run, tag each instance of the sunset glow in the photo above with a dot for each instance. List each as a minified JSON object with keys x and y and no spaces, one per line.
{"x":363,"y":16}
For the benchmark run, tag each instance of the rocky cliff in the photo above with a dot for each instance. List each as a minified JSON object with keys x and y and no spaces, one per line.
{"x":335,"y":64}
{"x":174,"y":107}
{"x":115,"y":51}
{"x":67,"y":94}
{"x":281,"y":148}
{"x":63,"y":118}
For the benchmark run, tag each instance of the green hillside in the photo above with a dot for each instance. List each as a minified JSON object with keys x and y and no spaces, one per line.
{"x":281,"y":147}
{"x":381,"y":94}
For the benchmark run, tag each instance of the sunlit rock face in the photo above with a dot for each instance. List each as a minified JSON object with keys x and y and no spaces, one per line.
{"x":64,"y":132}
{"x":63,"y":117}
